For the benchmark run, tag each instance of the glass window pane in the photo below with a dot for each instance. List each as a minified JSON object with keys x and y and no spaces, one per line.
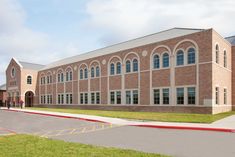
{"x":119,"y":98}
{"x":119,"y":68}
{"x":112,"y":69}
{"x":97,"y":98}
{"x":86,"y":98}
{"x":112,"y":97}
{"x":191,"y":96}
{"x":128,"y":97}
{"x":81,"y":74}
{"x":180,"y":58}
{"x":135,"y":97}
{"x":191,"y":56}
{"x":97,"y":71}
{"x":135,"y":65}
{"x":128,"y":66}
{"x":165,"y":93}
{"x":165,"y":60}
{"x":156,"y":62}
{"x":85,"y":73}
{"x":180,"y":96}
{"x":156,"y":96}
{"x":92,"y":72}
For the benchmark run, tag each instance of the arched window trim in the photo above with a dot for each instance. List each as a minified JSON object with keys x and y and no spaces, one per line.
{"x":60,"y":76}
{"x":69,"y":75}
{"x":129,"y":62}
{"x":13,"y":72}
{"x":195,"y":55}
{"x":177,"y":57}
{"x":156,"y":63}
{"x":29,"y":79}
{"x":162,"y":57}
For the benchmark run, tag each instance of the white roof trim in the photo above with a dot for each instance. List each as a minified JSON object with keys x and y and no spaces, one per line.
{"x":149,"y":39}
{"x":17,"y":62}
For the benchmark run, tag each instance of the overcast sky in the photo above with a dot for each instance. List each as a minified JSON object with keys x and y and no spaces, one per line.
{"x":42,"y":31}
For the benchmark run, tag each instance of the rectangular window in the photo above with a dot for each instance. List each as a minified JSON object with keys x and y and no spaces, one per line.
{"x":81,"y":98}
{"x":191,"y":96}
{"x":92,"y":98}
{"x":128,"y":97}
{"x":119,"y":98}
{"x":58,"y":98}
{"x":180,"y":96}
{"x":225,"y":96}
{"x":44,"y":99}
{"x":97,"y":98}
{"x":62,"y":98}
{"x":135,"y":97}
{"x":58,"y":78}
{"x":41,"y":99}
{"x":165,"y":93}
{"x":216,"y":95}
{"x":156,"y":96}
{"x":48,"y":99}
{"x":86,"y":98}
{"x":112,"y":97}
{"x":67,"y":98}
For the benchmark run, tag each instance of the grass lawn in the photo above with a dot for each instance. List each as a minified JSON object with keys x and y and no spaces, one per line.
{"x":32,"y":146}
{"x":151,"y":116}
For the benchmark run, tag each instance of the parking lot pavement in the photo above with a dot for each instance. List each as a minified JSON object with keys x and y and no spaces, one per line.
{"x":177,"y":143}
{"x":46,"y":126}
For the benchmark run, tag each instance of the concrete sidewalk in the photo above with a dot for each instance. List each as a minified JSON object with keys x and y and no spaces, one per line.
{"x":224,"y":125}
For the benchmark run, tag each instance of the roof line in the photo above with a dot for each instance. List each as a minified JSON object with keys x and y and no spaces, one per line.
{"x":17,"y":62}
{"x":125,"y":42}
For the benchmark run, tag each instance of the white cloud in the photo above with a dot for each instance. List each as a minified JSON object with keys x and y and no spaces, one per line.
{"x":19,"y":41}
{"x":125,"y":19}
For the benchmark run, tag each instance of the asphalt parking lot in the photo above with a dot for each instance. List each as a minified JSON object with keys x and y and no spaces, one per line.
{"x":178,"y":143}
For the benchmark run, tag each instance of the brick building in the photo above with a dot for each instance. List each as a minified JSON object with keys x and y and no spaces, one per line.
{"x":177,"y":70}
{"x":3,"y":95}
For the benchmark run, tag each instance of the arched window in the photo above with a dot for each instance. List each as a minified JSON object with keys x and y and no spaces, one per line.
{"x":225,"y":59}
{"x":165,"y":60}
{"x":92,"y":72}
{"x":180,"y":58}
{"x":62,"y":77}
{"x":81,"y":74}
{"x":112,"y":69}
{"x":58,"y":78}
{"x":156,"y":62}
{"x":97,"y":71}
{"x":85,"y":73}
{"x":29,"y":79}
{"x":119,"y":68}
{"x":135,"y":65}
{"x":128,"y":66}
{"x":191,"y":56}
{"x":70,"y":76}
{"x":217,"y":53}
{"x":13,"y":72}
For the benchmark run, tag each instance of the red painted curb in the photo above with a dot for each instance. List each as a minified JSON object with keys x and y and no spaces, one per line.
{"x":59,"y":116}
{"x":141,"y":125}
{"x":187,"y":128}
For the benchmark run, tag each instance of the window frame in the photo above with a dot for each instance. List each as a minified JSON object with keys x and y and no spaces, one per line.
{"x":164,"y":59}
{"x":180,"y":57}
{"x":29,"y":80}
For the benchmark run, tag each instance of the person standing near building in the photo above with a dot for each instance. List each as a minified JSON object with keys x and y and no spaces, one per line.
{"x":21,"y":103}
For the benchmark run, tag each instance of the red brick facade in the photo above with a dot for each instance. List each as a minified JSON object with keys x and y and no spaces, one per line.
{"x":205,"y":76}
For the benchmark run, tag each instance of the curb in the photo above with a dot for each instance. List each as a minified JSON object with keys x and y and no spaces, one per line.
{"x":59,"y":116}
{"x":186,"y":128}
{"x":136,"y":125}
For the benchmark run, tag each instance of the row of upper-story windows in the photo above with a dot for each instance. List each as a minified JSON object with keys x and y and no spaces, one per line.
{"x":181,"y":59}
{"x":95,"y":72}
{"x":217,"y":54}
{"x":159,"y":61}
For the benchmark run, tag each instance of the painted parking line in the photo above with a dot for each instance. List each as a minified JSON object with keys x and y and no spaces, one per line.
{"x":75,"y":131}
{"x":6,"y":132}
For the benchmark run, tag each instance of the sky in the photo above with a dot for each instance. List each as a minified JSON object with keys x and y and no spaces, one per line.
{"x":43,"y":31}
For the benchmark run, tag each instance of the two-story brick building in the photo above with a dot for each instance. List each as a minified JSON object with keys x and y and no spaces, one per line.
{"x":177,"y":70}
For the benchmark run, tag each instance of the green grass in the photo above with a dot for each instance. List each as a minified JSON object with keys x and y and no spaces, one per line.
{"x":149,"y":116}
{"x":32,"y":146}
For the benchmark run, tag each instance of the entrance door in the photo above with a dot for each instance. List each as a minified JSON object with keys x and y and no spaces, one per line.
{"x":29,"y":99}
